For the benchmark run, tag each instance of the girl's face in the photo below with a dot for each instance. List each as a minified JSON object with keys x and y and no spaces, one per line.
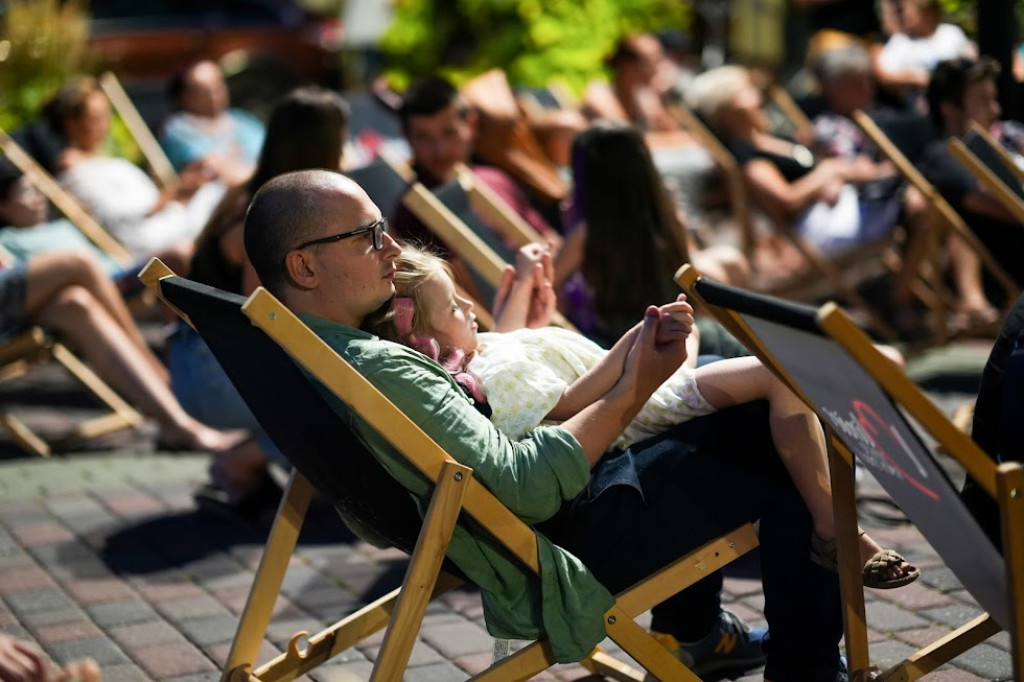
{"x":24,"y":207}
{"x":452,"y":321}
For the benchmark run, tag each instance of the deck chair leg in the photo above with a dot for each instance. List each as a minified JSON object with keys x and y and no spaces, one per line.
{"x":942,"y":651}
{"x":267,"y":584}
{"x":601,"y":663}
{"x":644,"y":649}
{"x":851,"y":585}
{"x":531,"y":660}
{"x":422,"y":572}
{"x":1010,"y":485}
{"x":23,"y":435}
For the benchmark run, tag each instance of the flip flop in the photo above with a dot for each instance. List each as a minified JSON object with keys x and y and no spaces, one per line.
{"x":877,"y":567}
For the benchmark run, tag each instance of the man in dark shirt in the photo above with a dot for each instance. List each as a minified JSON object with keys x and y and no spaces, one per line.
{"x":960,"y":92}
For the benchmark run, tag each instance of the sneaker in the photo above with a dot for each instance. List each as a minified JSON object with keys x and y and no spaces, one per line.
{"x":732,"y":644}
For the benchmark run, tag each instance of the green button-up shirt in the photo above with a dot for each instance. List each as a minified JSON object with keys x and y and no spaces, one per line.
{"x":532,"y":477}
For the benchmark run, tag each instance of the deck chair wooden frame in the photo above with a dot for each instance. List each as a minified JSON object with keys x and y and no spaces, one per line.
{"x":456,"y":492}
{"x":148,"y":145}
{"x":36,"y":346}
{"x":462,"y":240}
{"x":64,"y":202}
{"x":996,"y":186}
{"x":934,"y":294}
{"x":785,"y":103}
{"x":1005,"y":483}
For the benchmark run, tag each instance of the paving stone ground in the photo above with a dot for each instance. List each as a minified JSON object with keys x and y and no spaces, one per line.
{"x":104,"y":554}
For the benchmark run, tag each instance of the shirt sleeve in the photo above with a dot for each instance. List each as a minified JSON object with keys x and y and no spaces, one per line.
{"x":949,"y":176}
{"x":532,"y":477}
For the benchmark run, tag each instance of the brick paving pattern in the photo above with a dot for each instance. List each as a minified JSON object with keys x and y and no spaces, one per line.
{"x":104,"y":554}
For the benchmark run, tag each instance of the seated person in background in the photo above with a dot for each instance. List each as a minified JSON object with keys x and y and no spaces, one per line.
{"x":817,"y":197}
{"x":21,"y":661}
{"x":962,"y":91}
{"x":905,"y":63}
{"x":69,"y":293}
{"x":622,"y":214}
{"x":204,"y":128}
{"x":562,"y":372}
{"x":440,"y":126}
{"x":667,"y":500}
{"x":118,"y":194}
{"x":641,"y":76}
{"x":847,"y":86}
{"x":24,"y":229}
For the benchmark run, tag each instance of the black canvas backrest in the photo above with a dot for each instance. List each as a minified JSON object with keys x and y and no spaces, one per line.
{"x":295,"y":416}
{"x":383,"y":184}
{"x":848,"y":399}
{"x":910,"y":133}
{"x":980,"y":147}
{"x":456,"y":200}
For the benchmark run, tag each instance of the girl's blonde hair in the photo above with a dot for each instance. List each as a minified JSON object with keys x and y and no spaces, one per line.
{"x":414,"y":267}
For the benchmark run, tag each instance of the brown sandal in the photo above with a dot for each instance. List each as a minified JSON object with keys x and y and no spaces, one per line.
{"x":877,"y":568}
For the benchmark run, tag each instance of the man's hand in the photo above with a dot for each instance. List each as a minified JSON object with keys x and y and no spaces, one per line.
{"x":650,"y":362}
{"x":676,"y":321}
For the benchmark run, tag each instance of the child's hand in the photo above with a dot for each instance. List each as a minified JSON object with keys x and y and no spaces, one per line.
{"x":530,"y":255}
{"x":676,"y":321}
{"x":543,"y":301}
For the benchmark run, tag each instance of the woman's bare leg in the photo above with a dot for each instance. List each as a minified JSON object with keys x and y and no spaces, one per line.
{"x":796,"y":434}
{"x":49,"y":273}
{"x":85,"y":323}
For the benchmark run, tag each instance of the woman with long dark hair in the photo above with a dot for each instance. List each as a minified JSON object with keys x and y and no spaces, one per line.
{"x":627,"y":240}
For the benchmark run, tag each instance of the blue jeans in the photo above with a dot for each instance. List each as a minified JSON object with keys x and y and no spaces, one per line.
{"x":699,"y":480}
{"x":206,"y":392}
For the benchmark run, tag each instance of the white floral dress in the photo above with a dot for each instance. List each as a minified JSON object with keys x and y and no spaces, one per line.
{"x":524,"y":374}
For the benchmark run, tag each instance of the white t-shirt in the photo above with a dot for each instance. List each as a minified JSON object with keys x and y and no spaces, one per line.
{"x":901,"y":52}
{"x":118,"y":194}
{"x":524,"y":374}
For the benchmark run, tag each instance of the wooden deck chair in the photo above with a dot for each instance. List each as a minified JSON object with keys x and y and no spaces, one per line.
{"x":862,"y":398}
{"x":445,"y":212}
{"x":993,"y":167}
{"x":803,"y":128}
{"x":934,"y":293}
{"x":263,"y":362}
{"x":151,"y":150}
{"x":504,"y":138}
{"x":64,"y":202}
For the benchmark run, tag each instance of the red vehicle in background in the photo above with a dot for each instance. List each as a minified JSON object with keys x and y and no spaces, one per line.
{"x":265,"y":47}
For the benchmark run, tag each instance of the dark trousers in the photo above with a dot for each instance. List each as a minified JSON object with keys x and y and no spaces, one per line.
{"x":701,"y":479}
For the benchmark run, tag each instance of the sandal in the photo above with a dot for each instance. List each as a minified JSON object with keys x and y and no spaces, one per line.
{"x":825,"y":554}
{"x":877,"y":568}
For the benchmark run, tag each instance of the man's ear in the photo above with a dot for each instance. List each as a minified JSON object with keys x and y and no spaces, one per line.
{"x":301,"y":269}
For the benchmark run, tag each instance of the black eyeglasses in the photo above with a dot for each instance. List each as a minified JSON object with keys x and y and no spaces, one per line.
{"x":377,"y":229}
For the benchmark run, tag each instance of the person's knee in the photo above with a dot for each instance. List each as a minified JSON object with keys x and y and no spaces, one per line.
{"x":72,"y":306}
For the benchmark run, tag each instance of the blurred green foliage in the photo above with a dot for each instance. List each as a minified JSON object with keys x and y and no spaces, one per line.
{"x":42,"y":44}
{"x":534,"y":41}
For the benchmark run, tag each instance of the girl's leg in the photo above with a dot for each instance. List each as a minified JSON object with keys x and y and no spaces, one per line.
{"x":80,"y":318}
{"x":796,"y":434}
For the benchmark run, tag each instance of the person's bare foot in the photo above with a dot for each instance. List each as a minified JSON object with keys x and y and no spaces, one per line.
{"x":192,"y":435}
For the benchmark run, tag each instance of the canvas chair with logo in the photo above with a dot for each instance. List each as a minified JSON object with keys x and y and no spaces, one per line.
{"x":931,"y":289}
{"x":862,"y":398}
{"x":262,"y":346}
{"x":35,"y":346}
{"x":993,"y":166}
